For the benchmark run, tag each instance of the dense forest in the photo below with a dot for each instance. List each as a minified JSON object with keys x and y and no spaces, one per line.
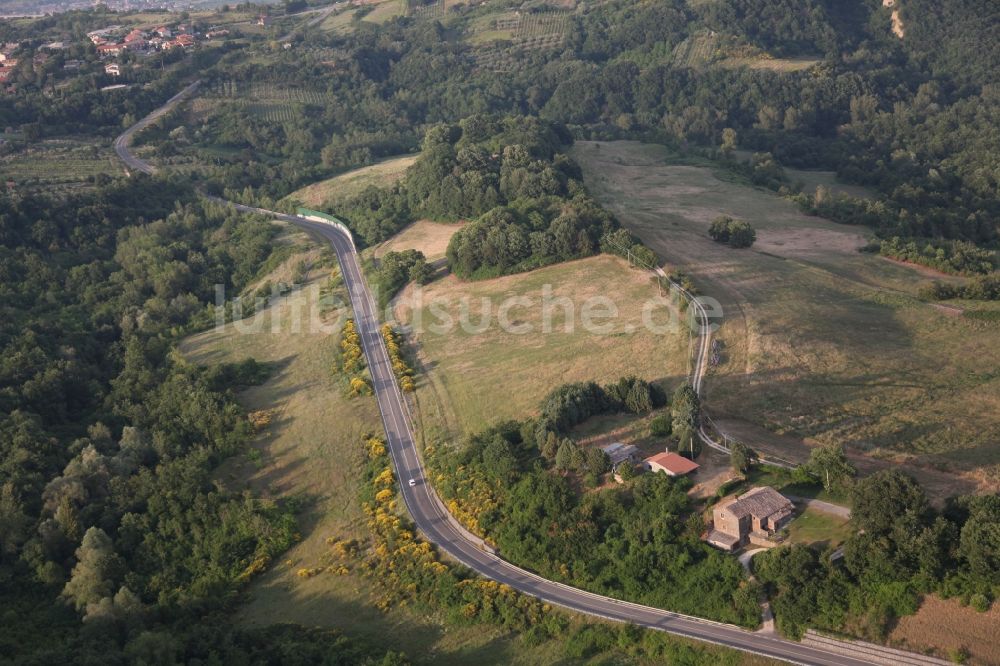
{"x":526,"y":201}
{"x":108,"y":441}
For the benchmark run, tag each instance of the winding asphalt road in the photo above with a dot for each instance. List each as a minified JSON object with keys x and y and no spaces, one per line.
{"x":428,"y":512}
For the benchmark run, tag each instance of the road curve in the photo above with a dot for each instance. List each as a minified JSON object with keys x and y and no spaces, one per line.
{"x":428,"y":512}
{"x":125,"y":138}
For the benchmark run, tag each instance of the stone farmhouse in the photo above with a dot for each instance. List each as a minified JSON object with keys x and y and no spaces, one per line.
{"x":754,"y":517}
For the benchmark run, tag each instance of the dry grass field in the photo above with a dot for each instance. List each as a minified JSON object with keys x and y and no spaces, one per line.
{"x":382,"y":174}
{"x":470,"y":379}
{"x":812,"y":179}
{"x":429,"y":237}
{"x":948,"y":627}
{"x":386,"y":10}
{"x":338,"y":22}
{"x":342,"y":21}
{"x":821,"y":343}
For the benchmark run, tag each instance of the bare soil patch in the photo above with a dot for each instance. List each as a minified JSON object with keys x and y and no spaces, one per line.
{"x":715,"y":470}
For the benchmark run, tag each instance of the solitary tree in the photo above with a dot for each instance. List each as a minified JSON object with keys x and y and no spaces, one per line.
{"x":719,"y":229}
{"x":830,"y":465}
{"x":728,"y":139}
{"x":685,"y":409}
{"x":741,"y":457}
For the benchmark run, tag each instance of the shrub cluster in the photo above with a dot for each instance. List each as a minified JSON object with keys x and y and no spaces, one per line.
{"x":981,"y":288}
{"x":571,"y":404}
{"x":352,"y":360}
{"x":406,"y":570}
{"x":393,"y":344}
{"x":736,"y":233}
{"x":623,"y":244}
{"x":395,"y":269}
{"x":955,"y":257}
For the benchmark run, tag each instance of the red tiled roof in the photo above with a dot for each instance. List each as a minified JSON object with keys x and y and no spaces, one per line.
{"x":673,"y":462}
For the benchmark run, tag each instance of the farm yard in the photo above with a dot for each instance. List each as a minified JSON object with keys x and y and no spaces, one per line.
{"x":817,"y":528}
{"x":821,"y":343}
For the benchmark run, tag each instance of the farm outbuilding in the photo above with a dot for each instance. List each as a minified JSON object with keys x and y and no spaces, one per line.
{"x":618,"y":453}
{"x":671,"y":464}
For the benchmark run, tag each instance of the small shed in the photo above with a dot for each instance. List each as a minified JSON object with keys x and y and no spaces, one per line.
{"x":618,"y":453}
